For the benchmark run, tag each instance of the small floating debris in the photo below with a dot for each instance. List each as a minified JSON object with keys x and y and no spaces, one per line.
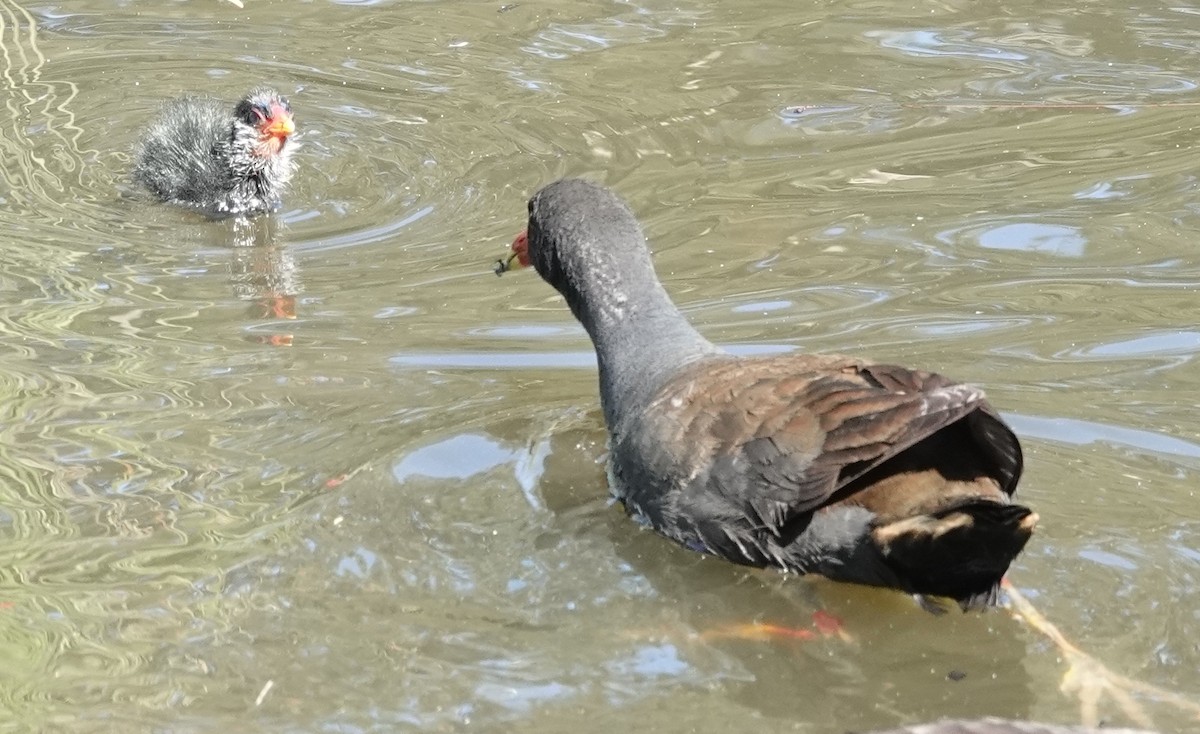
{"x":262,"y":695}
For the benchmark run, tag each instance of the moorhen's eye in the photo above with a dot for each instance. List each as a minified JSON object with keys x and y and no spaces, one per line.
{"x":262,"y":113}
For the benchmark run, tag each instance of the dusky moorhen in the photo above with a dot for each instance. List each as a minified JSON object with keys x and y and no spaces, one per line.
{"x":201,"y":153}
{"x":862,"y":472}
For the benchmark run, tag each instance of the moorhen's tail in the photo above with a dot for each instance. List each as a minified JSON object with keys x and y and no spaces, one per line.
{"x":961,"y":551}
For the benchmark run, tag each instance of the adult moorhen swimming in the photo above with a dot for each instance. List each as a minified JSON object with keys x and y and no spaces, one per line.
{"x":862,"y":472}
{"x":202,"y":154}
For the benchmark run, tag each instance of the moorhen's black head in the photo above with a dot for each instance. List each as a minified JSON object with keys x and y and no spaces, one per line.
{"x":583,"y":240}
{"x":263,"y":124}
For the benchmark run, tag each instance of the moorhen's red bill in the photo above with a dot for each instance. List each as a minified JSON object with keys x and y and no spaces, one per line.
{"x":201,"y":153}
{"x":862,"y":472}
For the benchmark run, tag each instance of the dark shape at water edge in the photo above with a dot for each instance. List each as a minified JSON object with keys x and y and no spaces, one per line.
{"x":1001,"y":726}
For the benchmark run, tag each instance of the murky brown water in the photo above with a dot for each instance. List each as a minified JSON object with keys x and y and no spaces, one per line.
{"x":391,"y":509}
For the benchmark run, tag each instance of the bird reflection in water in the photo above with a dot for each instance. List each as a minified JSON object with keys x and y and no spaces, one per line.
{"x":263,"y":272}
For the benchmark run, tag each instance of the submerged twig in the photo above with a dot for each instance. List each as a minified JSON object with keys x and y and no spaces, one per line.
{"x":1090,"y":680}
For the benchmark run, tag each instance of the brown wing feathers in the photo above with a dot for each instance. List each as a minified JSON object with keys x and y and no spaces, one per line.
{"x":805,"y":427}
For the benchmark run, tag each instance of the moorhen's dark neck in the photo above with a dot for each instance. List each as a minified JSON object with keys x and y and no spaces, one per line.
{"x":262,"y":175}
{"x":641,"y":338}
{"x":586,"y":242}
